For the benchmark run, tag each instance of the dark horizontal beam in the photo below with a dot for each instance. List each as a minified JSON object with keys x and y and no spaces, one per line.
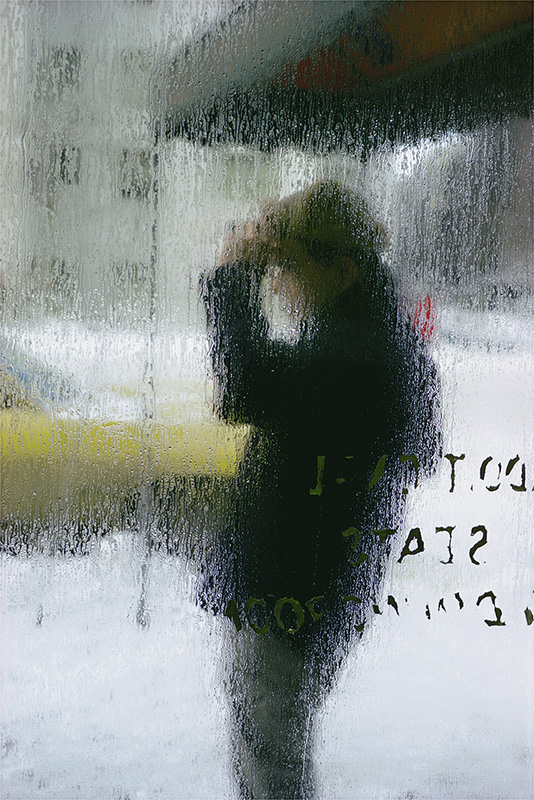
{"x":487,"y":84}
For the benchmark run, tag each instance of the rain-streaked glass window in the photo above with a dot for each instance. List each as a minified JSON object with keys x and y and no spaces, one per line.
{"x":266,"y":380}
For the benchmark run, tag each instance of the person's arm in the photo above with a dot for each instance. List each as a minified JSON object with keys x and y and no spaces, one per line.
{"x":254,"y":375}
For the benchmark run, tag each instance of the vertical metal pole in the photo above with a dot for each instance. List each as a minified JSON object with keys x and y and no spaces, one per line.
{"x":149,"y":397}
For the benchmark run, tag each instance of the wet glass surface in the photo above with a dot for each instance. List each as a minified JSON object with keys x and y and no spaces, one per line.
{"x":213,"y":582}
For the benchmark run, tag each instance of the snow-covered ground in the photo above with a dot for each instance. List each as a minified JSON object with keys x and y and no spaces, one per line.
{"x":432,"y":703}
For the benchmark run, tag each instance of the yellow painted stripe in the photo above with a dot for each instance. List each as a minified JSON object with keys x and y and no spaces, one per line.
{"x":45,"y":457}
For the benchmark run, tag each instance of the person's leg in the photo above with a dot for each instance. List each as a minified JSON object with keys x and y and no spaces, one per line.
{"x":273,"y":695}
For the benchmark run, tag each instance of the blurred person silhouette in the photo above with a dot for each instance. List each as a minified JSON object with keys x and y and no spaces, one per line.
{"x":299,"y":556}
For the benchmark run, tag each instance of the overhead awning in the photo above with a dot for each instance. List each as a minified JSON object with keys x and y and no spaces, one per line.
{"x":350,"y":74}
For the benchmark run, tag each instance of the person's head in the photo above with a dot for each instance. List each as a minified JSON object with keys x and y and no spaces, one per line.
{"x":322,"y":238}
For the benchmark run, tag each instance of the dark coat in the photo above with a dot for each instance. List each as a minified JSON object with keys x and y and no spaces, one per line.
{"x":358,"y":384}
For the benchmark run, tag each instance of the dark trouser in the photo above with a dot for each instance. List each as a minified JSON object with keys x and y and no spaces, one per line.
{"x":274,"y":689}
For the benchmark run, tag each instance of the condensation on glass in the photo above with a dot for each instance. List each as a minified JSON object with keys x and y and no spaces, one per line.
{"x":117,"y":469}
